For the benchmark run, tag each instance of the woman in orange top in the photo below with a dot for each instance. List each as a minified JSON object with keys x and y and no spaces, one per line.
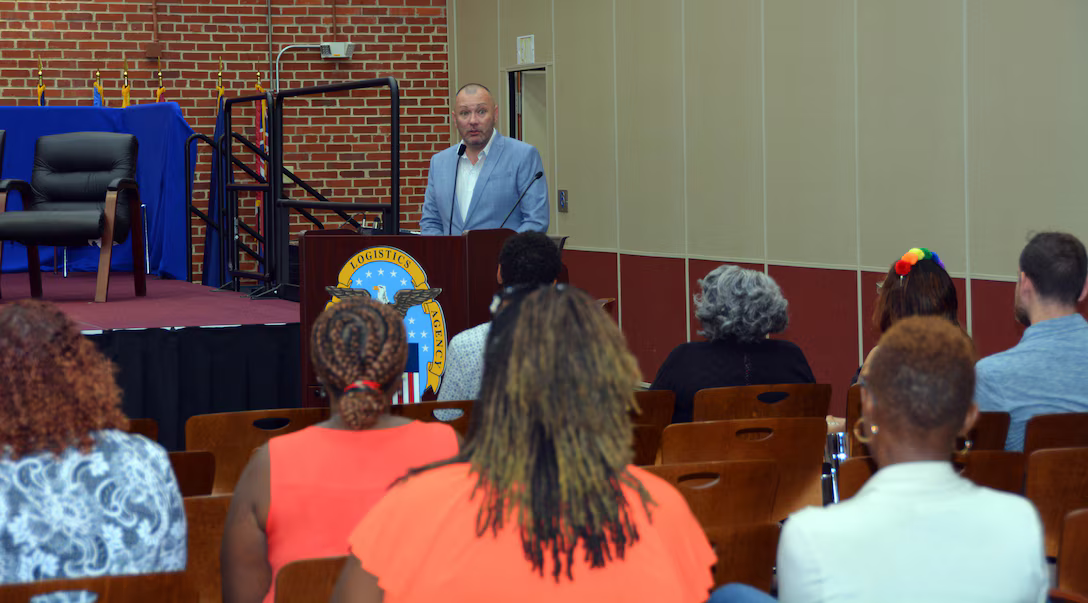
{"x":542,"y":503}
{"x":301,"y":494}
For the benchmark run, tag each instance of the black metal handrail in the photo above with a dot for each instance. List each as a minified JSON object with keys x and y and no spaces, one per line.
{"x":194,"y":210}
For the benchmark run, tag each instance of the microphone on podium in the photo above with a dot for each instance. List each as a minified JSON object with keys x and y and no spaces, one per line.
{"x":456,"y":170}
{"x":538,"y":176}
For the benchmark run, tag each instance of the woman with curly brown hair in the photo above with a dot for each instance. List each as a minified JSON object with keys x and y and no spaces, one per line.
{"x":78,"y":496}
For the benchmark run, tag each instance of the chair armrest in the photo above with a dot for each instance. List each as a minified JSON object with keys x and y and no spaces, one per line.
{"x":10,"y":184}
{"x":123,"y":183}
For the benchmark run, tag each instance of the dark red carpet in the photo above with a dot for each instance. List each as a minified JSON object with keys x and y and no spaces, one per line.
{"x":168,"y":303}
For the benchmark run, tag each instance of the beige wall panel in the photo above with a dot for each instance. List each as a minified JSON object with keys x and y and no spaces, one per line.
{"x":523,"y":18}
{"x":585,"y":121}
{"x":478,"y":45}
{"x":910,"y":130}
{"x":650,"y":126}
{"x":1028,"y":125}
{"x":722,"y":44}
{"x":810,"y":131}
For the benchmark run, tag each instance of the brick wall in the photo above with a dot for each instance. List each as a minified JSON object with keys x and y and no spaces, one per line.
{"x":339,"y":144}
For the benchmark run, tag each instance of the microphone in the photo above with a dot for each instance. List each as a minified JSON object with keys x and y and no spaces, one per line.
{"x":538,"y":176}
{"x":456,"y":170}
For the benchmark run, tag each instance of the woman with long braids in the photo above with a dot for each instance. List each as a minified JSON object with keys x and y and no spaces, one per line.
{"x":301,"y":494}
{"x":542,"y":503}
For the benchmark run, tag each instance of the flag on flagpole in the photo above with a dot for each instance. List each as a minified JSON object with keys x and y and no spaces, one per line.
{"x":160,"y":93}
{"x":409,"y":392}
{"x":41,"y":86}
{"x":99,"y":98}
{"x":125,"y":90}
{"x":261,"y":137}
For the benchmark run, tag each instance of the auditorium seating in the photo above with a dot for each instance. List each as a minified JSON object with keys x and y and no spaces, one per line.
{"x":655,"y":408}
{"x":171,"y":587}
{"x":746,"y":554}
{"x":997,"y":469}
{"x":1062,"y":430}
{"x":757,"y":401}
{"x":1057,"y":482}
{"x":425,"y":411}
{"x":149,"y":428}
{"x":206,"y":516}
{"x":647,"y":442}
{"x":1073,"y":553}
{"x":232,"y":436}
{"x":195,"y":472}
{"x":796,"y":444}
{"x":725,"y":493}
{"x":308,"y":579}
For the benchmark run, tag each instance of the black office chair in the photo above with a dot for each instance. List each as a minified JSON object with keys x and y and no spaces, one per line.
{"x":82,"y":189}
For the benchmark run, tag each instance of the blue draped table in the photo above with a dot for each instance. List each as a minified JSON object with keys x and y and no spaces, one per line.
{"x":161,"y":131}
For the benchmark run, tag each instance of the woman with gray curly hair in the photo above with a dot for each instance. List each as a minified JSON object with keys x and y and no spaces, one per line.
{"x":738,"y":309}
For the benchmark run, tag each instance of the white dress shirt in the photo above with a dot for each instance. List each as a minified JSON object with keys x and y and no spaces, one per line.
{"x":467,"y":175}
{"x":915,"y":532}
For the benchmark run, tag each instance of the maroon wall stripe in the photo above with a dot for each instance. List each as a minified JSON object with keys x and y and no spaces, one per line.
{"x":652,"y":291}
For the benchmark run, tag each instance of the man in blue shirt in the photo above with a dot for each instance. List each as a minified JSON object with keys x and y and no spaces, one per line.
{"x":1047,"y":372}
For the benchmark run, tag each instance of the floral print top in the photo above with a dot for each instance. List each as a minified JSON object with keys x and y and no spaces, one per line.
{"x":115,"y":510}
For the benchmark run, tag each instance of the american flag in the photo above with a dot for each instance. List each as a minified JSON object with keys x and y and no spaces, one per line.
{"x":409,"y":390}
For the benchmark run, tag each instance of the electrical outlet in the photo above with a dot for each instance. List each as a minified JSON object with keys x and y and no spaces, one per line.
{"x":563,"y":208}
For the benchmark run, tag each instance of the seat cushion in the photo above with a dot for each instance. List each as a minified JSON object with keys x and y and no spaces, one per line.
{"x":69,"y":228}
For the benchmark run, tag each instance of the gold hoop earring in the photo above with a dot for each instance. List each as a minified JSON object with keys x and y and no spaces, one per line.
{"x":873,"y":430}
{"x":965,"y":449}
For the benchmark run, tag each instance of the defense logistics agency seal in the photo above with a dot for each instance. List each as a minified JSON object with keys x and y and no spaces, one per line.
{"x":393,"y":277}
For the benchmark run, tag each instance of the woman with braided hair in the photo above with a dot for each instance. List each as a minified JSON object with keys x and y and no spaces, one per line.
{"x":303,"y":492}
{"x":542,"y":503}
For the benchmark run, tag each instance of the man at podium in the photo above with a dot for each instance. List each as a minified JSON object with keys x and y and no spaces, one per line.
{"x":487,"y":180}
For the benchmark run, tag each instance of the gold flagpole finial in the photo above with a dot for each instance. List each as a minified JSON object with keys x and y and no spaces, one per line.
{"x":39,"y":71}
{"x":124,"y":71}
{"x":97,"y":76}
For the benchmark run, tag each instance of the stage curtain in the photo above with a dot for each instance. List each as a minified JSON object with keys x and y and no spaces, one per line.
{"x":160,"y":171}
{"x":172,"y":374}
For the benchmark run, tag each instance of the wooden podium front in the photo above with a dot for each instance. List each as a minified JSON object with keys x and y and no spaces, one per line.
{"x":464,"y":267}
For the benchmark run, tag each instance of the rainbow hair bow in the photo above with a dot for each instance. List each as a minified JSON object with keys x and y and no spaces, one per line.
{"x":912,"y":257}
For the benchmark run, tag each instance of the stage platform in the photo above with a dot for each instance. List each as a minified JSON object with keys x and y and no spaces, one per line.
{"x":184,"y":349}
{"x":168,"y":303}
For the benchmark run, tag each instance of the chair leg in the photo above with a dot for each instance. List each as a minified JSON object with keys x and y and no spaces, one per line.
{"x":104,"y":257}
{"x":138,"y":251}
{"x":2,"y":261}
{"x":35,"y":269}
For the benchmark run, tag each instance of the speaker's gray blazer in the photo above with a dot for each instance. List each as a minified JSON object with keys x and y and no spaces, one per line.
{"x":508,"y":169}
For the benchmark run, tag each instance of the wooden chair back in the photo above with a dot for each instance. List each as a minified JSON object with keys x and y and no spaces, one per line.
{"x":455,"y":413}
{"x":758,"y":401}
{"x":232,"y":436}
{"x":1073,"y":553}
{"x":725,"y":493}
{"x":655,"y":408}
{"x":746,"y":554}
{"x":1063,"y":430}
{"x":149,"y":428}
{"x":1057,"y":483}
{"x":195,"y":471}
{"x":647,"y":442}
{"x":309,"y":579}
{"x":171,"y":587}
{"x":1064,"y":596}
{"x":207,"y":517}
{"x":998,"y":469}
{"x":853,"y":413}
{"x":796,"y":444}
{"x":990,"y":431}
{"x":853,"y":473}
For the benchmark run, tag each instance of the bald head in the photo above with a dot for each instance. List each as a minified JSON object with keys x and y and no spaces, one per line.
{"x":474,"y":114}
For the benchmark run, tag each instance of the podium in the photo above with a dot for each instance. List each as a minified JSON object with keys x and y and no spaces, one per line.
{"x":464,"y":267}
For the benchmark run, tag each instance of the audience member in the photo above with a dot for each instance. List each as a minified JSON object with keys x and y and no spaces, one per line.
{"x":917,"y":531}
{"x":542,"y":503}
{"x":738,"y":309}
{"x":1044,"y":373}
{"x":302,"y":493}
{"x":527,"y":260}
{"x":79,"y":496}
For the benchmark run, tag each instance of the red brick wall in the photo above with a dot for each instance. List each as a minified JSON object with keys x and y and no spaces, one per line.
{"x":339,"y":144}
